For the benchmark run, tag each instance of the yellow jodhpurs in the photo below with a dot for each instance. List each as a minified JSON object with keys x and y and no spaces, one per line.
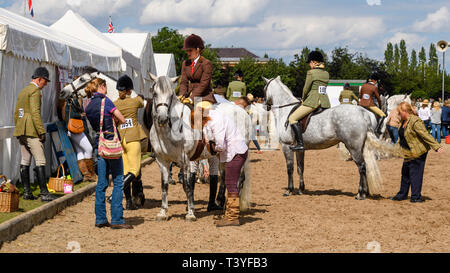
{"x":300,"y":113}
{"x":131,"y":157}
{"x":377,"y":111}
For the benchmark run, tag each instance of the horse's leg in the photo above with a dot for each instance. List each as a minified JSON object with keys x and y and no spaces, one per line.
{"x":363,"y":190}
{"x":289,"y":156}
{"x":164,"y":167}
{"x":188,"y":186}
{"x":220,"y":199}
{"x":300,"y":156}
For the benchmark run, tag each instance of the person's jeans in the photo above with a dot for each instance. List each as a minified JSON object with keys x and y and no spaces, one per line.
{"x":436,"y":132}
{"x":412,"y":176}
{"x":427,"y":124}
{"x":257,"y":144}
{"x":393,"y":133}
{"x":444,"y":129}
{"x":115,"y":168}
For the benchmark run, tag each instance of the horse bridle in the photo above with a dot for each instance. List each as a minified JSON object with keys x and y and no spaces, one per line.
{"x":270,"y":106}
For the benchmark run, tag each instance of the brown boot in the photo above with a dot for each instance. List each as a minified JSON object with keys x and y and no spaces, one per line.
{"x":90,"y":167}
{"x":84,"y":170}
{"x":231,"y":217}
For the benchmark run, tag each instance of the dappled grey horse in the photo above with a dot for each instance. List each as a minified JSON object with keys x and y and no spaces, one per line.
{"x":350,"y":124}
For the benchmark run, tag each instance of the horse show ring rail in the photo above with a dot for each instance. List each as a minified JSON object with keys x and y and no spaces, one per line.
{"x":10,"y":229}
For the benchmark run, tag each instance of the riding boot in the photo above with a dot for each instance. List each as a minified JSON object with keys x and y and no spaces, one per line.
{"x":91,"y":170}
{"x":297,"y":129}
{"x":127,"y":191}
{"x":45,"y":194}
{"x":25,"y":178}
{"x":231,"y":217}
{"x":84,"y":171}
{"x":220,"y":201}
{"x":213,"y":179}
{"x":138,"y":196}
{"x":380,"y":125}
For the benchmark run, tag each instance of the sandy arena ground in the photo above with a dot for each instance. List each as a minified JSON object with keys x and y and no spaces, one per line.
{"x":327,"y":218}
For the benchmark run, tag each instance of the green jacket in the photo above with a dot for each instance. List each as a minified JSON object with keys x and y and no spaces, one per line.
{"x":27,"y":116}
{"x":418,"y":138}
{"x":347,"y":96}
{"x":316,"y":79}
{"x":235,"y":90}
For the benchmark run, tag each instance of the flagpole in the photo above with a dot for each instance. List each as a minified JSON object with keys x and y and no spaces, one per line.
{"x":24,"y":8}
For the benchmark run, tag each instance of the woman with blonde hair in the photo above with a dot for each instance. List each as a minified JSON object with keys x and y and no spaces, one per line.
{"x":414,"y":142}
{"x":435,"y":119}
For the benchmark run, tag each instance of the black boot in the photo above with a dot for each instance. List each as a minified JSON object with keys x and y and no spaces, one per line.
{"x":127,"y":191}
{"x":25,"y":178}
{"x":296,"y":128}
{"x":380,"y":125}
{"x":45,"y":194}
{"x":213,"y":179}
{"x":138,"y":196}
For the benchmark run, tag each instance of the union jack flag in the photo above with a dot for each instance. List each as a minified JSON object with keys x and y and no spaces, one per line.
{"x":30,"y":7}
{"x":110,"y":26}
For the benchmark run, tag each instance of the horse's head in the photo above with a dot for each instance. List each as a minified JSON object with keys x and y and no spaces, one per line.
{"x":77,"y":86}
{"x":267,"y":92}
{"x":163,"y":97}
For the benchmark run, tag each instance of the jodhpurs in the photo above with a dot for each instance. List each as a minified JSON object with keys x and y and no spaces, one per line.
{"x":300,"y":113}
{"x":233,"y":172}
{"x":32,"y":147}
{"x":377,"y":111}
{"x":82,"y":146}
{"x":131,"y":157}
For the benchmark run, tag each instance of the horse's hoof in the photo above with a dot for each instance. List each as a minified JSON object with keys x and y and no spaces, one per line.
{"x":191,"y":218}
{"x":360,"y":197}
{"x":161,"y":218}
{"x":287,"y":193}
{"x":298,"y":192}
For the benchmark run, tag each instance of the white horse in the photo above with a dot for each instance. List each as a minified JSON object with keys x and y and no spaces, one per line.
{"x":173,"y":140}
{"x":265,"y":120}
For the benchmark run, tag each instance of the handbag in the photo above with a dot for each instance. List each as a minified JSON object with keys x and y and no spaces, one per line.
{"x":75,"y":125}
{"x":108,"y":149}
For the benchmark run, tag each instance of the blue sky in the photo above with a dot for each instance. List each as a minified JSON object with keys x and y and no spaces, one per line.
{"x":279,"y":28}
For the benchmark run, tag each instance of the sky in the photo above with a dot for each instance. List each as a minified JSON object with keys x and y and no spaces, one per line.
{"x":279,"y":28}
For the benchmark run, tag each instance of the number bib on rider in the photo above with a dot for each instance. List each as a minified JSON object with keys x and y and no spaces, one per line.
{"x":366,"y":96}
{"x":237,"y":94}
{"x":322,"y":90}
{"x":21,"y":113}
{"x":346,"y":100}
{"x":128,"y":124}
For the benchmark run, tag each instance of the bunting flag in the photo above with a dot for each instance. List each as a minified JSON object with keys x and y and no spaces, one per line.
{"x":30,"y":8}
{"x":110,"y":26}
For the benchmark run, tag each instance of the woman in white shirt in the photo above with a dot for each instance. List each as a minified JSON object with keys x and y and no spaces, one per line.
{"x":222,"y":136}
{"x":424,"y":113}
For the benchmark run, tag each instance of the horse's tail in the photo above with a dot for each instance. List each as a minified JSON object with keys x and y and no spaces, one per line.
{"x":245,"y":196}
{"x":372,"y":149}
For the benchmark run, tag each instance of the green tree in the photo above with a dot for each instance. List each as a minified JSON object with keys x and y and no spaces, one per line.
{"x":389,"y":58}
{"x":396,"y":58}
{"x":404,"y":60}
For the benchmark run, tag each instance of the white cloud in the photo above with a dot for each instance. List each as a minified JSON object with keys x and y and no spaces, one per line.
{"x":413,"y":41}
{"x":374,"y":2}
{"x":435,"y":22}
{"x":201,"y":12}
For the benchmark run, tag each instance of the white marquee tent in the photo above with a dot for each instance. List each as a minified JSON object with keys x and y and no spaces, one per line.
{"x":25,"y":45}
{"x":140,"y":45}
{"x":165,"y":65}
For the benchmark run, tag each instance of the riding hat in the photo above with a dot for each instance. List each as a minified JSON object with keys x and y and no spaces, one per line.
{"x":124,"y":83}
{"x":315,"y":56}
{"x":250,"y":97}
{"x":41,"y":72}
{"x":193,"y":41}
{"x":374,"y":77}
{"x":239,"y":73}
{"x":347,"y":86}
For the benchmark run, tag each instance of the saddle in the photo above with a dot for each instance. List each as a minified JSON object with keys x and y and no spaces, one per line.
{"x":304,"y":122}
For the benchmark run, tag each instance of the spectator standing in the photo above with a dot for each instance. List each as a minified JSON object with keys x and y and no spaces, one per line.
{"x":393,"y":122}
{"x":424,"y":113}
{"x":435,"y":118}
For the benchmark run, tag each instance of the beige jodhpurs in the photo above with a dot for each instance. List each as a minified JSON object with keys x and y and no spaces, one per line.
{"x":300,"y":113}
{"x":377,"y":111}
{"x":32,"y":147}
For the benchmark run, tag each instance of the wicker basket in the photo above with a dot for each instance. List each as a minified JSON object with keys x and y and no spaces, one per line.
{"x":57,"y":183}
{"x":9,"y":201}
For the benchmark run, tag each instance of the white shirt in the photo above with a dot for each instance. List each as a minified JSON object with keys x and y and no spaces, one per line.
{"x":196,"y":60}
{"x":424,"y":113}
{"x":222,"y":130}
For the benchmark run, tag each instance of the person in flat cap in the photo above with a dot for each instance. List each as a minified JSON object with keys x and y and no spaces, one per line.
{"x":368,"y":90}
{"x":131,"y":135}
{"x":314,"y":96}
{"x":31,"y":134}
{"x":196,"y":74}
{"x":236,"y":88}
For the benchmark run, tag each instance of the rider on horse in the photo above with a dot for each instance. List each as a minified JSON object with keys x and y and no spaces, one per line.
{"x":314,"y":95}
{"x":366,"y":99}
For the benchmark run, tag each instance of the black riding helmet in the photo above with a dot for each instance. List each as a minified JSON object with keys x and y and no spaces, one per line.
{"x":124,"y":83}
{"x":315,"y":56}
{"x":41,"y":72}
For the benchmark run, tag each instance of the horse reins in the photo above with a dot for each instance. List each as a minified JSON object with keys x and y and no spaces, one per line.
{"x":269,"y":106}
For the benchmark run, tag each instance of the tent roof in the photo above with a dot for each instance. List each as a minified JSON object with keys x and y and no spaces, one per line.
{"x":26,"y":38}
{"x":165,"y":65}
{"x":73,"y":24}
{"x":133,"y":42}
